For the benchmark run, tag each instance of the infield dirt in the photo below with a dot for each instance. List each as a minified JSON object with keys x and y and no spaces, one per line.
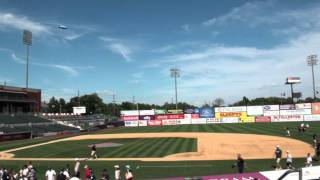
{"x":210,"y":146}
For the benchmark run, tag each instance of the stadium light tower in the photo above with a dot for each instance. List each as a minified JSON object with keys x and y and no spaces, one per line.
{"x":175,"y":73}
{"x":27,"y":40}
{"x":312,"y":60}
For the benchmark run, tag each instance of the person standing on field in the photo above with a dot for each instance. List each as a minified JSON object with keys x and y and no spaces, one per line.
{"x":289,"y":160}
{"x":240,"y":164}
{"x":309,"y":160}
{"x":50,"y":174}
{"x":278,"y":155}
{"x":117,"y":172}
{"x":77,"y":168}
{"x":94,"y":152}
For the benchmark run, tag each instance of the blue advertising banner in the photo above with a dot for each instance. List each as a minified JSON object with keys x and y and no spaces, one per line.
{"x":206,"y":113}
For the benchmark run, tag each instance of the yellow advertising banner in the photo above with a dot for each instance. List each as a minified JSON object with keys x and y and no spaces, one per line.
{"x":248,"y":119}
{"x":241,"y":115}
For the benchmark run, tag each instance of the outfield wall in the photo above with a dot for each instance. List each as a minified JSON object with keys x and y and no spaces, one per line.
{"x":238,"y":114}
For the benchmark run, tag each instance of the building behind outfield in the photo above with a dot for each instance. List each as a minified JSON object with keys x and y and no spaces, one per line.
{"x":19,"y":100}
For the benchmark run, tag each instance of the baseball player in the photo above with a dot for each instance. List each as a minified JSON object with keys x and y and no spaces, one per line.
{"x":278,"y":155}
{"x":288,"y":131}
{"x":314,"y":138}
{"x":289,"y":160}
{"x":309,"y":160}
{"x":117,"y":172}
{"x":94,"y":152}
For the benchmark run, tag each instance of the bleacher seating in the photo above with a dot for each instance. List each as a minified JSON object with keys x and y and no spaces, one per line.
{"x":37,"y":129}
{"x":20,"y":119}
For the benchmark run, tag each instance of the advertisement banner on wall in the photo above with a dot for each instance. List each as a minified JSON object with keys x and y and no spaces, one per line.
{"x":213,"y":121}
{"x":303,"y":106}
{"x":314,"y":117}
{"x":295,"y":112}
{"x":195,"y":116}
{"x":187,"y":116}
{"x":286,"y":118}
{"x":131,"y":123}
{"x":287,"y":107}
{"x":263,"y":119}
{"x":206,"y":113}
{"x":160,"y":111}
{"x":183,"y":121}
{"x":169,"y":116}
{"x":155,"y":123}
{"x":143,"y":123}
{"x":229,"y":120}
{"x":175,"y":111}
{"x":231,"y":109}
{"x":129,"y":118}
{"x":315,"y":108}
{"x":146,"y":112}
{"x":249,"y":119}
{"x":169,"y":122}
{"x":199,"y":121}
{"x":129,"y":113}
{"x":231,"y":114}
{"x":271,"y":113}
{"x":147,"y":117}
{"x":254,"y":110}
{"x":189,"y":111}
{"x":271,"y":108}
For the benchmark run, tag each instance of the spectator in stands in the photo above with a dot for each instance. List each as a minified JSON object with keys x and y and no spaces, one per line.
{"x":30,"y":165}
{"x":5,"y":174}
{"x":105,"y":175}
{"x":309,"y":160}
{"x":289,"y":160}
{"x":117,"y":172}
{"x":13,"y":175}
{"x":51,"y":174}
{"x":32,"y":174}
{"x":128,"y":174}
{"x":87,"y":172}
{"x":278,"y":155}
{"x":77,"y":168}
{"x":66,"y":172}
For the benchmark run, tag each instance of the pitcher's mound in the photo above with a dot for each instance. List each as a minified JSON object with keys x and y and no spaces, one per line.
{"x":106,"y":144}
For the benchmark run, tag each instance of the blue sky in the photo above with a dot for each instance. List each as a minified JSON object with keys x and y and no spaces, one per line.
{"x":226,"y":49}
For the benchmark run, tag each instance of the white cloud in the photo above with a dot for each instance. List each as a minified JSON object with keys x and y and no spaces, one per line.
{"x":65,"y":68}
{"x":163,"y":49}
{"x":118,"y":46}
{"x":20,"y":22}
{"x":17,"y":59}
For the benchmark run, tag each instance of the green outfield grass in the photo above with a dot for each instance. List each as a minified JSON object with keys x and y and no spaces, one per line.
{"x":147,"y":147}
{"x":149,"y":170}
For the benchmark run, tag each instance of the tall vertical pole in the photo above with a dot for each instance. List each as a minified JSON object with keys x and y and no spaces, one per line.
{"x":291,"y":85}
{"x":312,"y":60}
{"x":175,"y":74}
{"x":313,"y":83}
{"x":175,"y":83}
{"x":27,"y":67}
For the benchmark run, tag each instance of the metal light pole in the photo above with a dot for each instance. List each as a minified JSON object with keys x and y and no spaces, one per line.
{"x":175,"y":73}
{"x":312,"y":60}
{"x":27,"y":40}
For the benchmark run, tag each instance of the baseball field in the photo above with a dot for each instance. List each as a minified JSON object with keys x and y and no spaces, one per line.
{"x":166,"y":151}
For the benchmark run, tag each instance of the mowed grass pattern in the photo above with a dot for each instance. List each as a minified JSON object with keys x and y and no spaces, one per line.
{"x":146,"y":147}
{"x":275,"y":128}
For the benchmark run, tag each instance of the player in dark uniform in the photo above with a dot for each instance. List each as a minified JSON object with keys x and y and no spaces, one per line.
{"x":278,"y":155}
{"x":240,"y":164}
{"x":94,"y":152}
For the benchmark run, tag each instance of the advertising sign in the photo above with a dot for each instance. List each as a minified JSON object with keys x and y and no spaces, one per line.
{"x":189,"y":111}
{"x":287,"y":107}
{"x":195,"y":116}
{"x":160,"y":111}
{"x":263,"y":119}
{"x":199,"y":121}
{"x":146,"y":112}
{"x":175,"y":111}
{"x":143,"y":123}
{"x":129,"y":113}
{"x":131,"y":123}
{"x":249,"y":119}
{"x":129,"y":118}
{"x":169,"y":116}
{"x":271,"y":113}
{"x":79,"y":110}
{"x":229,"y":120}
{"x":206,"y":113}
{"x":293,"y":80}
{"x":314,"y":117}
{"x":155,"y":123}
{"x":271,"y":108}
{"x":254,"y":110}
{"x":231,"y":109}
{"x":315,"y":108}
{"x":231,"y":114}
{"x":303,"y":106}
{"x":147,"y":117}
{"x":295,"y":112}
{"x":212,"y":120}
{"x":183,"y":121}
{"x":169,"y":122}
{"x":285,"y":118}
{"x":187,"y":116}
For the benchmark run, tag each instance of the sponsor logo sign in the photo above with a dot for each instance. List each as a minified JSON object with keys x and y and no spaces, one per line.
{"x":213,"y":120}
{"x":231,"y":114}
{"x":295,"y":112}
{"x":314,"y":117}
{"x":143,"y":123}
{"x":229,"y":120}
{"x":249,"y":119}
{"x":231,"y":109}
{"x":189,"y":111}
{"x":271,"y":113}
{"x":254,"y":110}
{"x":183,"y":121}
{"x":199,"y":121}
{"x":129,"y":113}
{"x":315,"y":108}
{"x":263,"y":119}
{"x":175,"y":111}
{"x":169,"y":116}
{"x":303,"y":106}
{"x":271,"y":108}
{"x":169,"y":122}
{"x":131,"y":123}
{"x":287,"y":107}
{"x":146,"y":112}
{"x":283,"y":118}
{"x":195,"y":116}
{"x":206,"y":113}
{"x":160,"y":111}
{"x":155,"y":123}
{"x":129,"y":118}
{"x":147,"y":117}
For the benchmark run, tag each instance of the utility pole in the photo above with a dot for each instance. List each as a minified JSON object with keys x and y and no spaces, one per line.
{"x":175,"y":73}
{"x":133,"y":102}
{"x":27,"y":40}
{"x":114,"y":103}
{"x":312,"y":60}
{"x":78,"y":98}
